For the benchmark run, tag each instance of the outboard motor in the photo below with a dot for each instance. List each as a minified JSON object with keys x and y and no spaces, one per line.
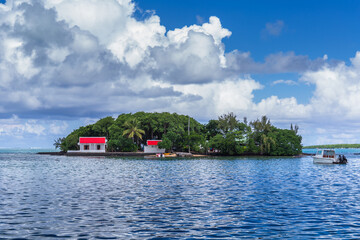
{"x":342,"y":159}
{"x":345,"y":160}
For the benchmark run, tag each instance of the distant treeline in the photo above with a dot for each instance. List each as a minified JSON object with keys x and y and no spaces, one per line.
{"x":335,"y":146}
{"x":225,"y":135}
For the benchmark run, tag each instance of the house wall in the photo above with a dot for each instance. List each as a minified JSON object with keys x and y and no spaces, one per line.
{"x":92,"y":147}
{"x":153,"y":149}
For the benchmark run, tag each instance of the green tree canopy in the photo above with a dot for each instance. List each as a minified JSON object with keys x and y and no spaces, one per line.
{"x":132,"y":129}
{"x":129,"y":132}
{"x":227,"y":122}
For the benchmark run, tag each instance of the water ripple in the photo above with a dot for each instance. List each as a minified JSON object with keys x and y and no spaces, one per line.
{"x":247,"y":198}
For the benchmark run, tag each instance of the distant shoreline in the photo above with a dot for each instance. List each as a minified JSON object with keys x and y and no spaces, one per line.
{"x":333,"y":146}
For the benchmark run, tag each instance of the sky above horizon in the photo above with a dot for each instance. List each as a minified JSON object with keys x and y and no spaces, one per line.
{"x":68,"y":63}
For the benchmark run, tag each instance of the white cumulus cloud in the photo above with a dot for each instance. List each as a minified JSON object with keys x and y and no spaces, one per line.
{"x":16,"y":127}
{"x":337,"y":93}
{"x":91,"y":58}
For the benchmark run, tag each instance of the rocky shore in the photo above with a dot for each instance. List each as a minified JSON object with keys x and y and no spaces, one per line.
{"x":92,"y":154}
{"x":142,"y":154}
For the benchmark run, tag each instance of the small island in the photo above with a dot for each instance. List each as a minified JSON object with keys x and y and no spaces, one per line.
{"x":225,"y":136}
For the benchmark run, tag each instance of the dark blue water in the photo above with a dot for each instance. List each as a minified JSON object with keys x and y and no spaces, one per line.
{"x":44,"y":197}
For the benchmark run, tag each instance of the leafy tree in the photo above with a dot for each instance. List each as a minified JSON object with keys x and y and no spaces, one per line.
{"x":251,"y":147}
{"x":70,"y":143}
{"x":288,"y":143}
{"x":121,"y":144}
{"x":217,"y":142}
{"x":228,"y":144}
{"x":166,"y":144}
{"x":115,"y":131}
{"x":148,"y":125}
{"x":101,"y":127}
{"x":227,"y":122}
{"x":194,"y":140}
{"x":212,"y":128}
{"x":173,"y":140}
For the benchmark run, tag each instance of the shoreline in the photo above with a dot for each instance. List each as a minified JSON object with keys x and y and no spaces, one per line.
{"x":142,"y":154}
{"x":102,"y":154}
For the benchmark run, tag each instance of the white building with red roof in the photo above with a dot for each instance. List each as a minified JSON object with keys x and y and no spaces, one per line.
{"x":92,"y":144}
{"x":152,"y":147}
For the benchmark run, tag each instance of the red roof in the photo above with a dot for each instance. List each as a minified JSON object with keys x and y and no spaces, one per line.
{"x":153,"y":142}
{"x":92,"y":140}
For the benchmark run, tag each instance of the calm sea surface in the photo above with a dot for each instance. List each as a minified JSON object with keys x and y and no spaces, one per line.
{"x":48,"y":197}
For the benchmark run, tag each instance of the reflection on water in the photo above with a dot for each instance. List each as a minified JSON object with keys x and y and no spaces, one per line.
{"x":104,"y":198}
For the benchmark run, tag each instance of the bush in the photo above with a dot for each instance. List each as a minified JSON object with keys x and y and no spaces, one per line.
{"x":121,"y":144}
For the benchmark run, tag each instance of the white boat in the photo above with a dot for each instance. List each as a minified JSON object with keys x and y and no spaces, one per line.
{"x":328,"y":156}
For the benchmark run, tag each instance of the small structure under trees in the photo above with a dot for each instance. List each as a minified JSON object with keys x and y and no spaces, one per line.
{"x":152,"y":147}
{"x":92,"y":144}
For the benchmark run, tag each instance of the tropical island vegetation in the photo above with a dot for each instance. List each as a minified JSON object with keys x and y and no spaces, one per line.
{"x":225,"y":135}
{"x":335,"y":146}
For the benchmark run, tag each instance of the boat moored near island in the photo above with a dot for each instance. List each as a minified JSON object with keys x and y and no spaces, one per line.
{"x":328,"y":156}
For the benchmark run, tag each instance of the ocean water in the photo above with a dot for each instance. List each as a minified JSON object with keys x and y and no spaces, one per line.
{"x":49,"y":197}
{"x":346,"y":151}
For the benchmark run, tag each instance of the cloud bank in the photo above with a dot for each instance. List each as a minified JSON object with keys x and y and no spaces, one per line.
{"x":90,"y":58}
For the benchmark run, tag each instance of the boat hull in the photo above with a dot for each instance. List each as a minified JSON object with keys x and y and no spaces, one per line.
{"x":324,"y":160}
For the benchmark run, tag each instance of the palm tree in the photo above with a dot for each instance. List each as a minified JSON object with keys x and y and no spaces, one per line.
{"x":266,"y":143}
{"x":58,"y":142}
{"x":227,"y":122}
{"x":262,"y":126}
{"x":132,"y":129}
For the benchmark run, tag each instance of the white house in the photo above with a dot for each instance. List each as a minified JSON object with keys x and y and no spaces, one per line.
{"x":152,"y":147}
{"x":92,"y":144}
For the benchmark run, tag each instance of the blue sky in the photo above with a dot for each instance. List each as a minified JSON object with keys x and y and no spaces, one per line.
{"x":312,"y":28}
{"x":67,"y":63}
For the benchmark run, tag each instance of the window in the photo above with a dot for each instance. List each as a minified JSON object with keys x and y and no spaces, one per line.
{"x":329,"y":153}
{"x":98,"y":147}
{"x":86,"y":147}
